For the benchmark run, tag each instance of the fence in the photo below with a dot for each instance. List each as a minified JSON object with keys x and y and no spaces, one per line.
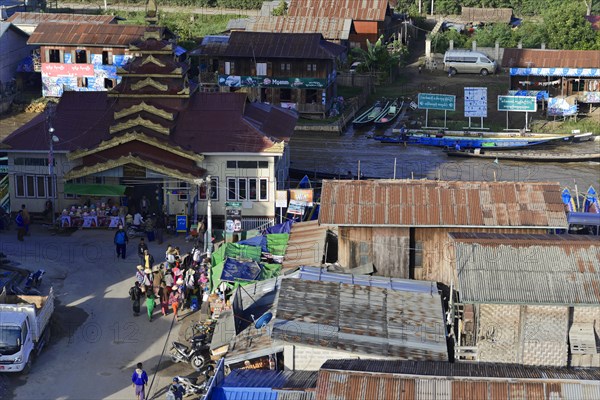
{"x":250,"y":223}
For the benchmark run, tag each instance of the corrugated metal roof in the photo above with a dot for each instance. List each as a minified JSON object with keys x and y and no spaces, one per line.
{"x":342,"y":385}
{"x":426,"y":203}
{"x":86,"y":34}
{"x":538,"y":58}
{"x":489,"y":15}
{"x":256,"y":378}
{"x":294,"y":395}
{"x":330,"y":28}
{"x":361,"y":319}
{"x":406,"y":285}
{"x":243,"y":394}
{"x":30,"y":18}
{"x":361,"y":10}
{"x":462,"y":370}
{"x":528,"y":269}
{"x":306,"y":245}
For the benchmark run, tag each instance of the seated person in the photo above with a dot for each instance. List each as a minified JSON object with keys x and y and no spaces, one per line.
{"x":137,"y":219}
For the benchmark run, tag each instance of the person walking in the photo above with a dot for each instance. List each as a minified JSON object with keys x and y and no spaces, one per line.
{"x":148,"y":259}
{"x":139,"y":275}
{"x":144,"y":205}
{"x":121,"y":241}
{"x":163,"y":294}
{"x":150,"y":304}
{"x":135,"y":294}
{"x":142,"y":247}
{"x":174,"y":300}
{"x":20,"y":226}
{"x":139,"y":380}
{"x":157,"y":279}
{"x":26,"y":219}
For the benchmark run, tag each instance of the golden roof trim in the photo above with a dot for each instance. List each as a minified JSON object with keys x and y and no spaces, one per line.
{"x":131,"y":136}
{"x":149,"y":82}
{"x":153,"y":60}
{"x":278,"y":147}
{"x":143,"y":106}
{"x":130,"y":159}
{"x":139,"y":121}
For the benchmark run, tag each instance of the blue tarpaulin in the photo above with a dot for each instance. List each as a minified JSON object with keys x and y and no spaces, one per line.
{"x":286,"y":227}
{"x":240,"y":270}
{"x":257,"y":241}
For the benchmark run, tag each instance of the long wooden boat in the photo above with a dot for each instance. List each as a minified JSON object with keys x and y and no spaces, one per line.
{"x":389,"y":114}
{"x":582,"y":137}
{"x":475,"y":142}
{"x":525,"y":156}
{"x":371,"y":114}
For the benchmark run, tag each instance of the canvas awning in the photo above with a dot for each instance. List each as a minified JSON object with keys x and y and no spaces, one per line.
{"x":91,"y":189}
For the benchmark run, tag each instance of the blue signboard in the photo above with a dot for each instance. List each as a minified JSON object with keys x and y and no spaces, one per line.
{"x":181,"y":223}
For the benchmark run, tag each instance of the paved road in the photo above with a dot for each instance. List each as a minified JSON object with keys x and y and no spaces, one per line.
{"x":96,"y":340}
{"x":99,"y":5}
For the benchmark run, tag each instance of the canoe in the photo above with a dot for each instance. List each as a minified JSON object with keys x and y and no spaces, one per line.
{"x":475,"y":142}
{"x":582,"y":137}
{"x":591,"y":201}
{"x":389,"y":114}
{"x":371,"y":114}
{"x":525,"y":156}
{"x":568,"y":200}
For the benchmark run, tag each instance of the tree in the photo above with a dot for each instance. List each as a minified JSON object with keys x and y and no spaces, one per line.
{"x":566,"y":28}
{"x":281,"y":9}
{"x":376,"y":58}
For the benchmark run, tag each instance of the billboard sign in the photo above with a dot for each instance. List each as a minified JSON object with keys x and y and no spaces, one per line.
{"x":476,"y":102}
{"x":434,"y":101}
{"x":517,"y":103}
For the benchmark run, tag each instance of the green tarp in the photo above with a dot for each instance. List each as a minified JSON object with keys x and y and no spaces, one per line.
{"x":269,"y":271}
{"x":237,"y":251}
{"x":277,"y":243}
{"x":92,"y":189}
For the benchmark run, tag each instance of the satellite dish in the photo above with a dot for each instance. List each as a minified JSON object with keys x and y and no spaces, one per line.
{"x":263,"y":321}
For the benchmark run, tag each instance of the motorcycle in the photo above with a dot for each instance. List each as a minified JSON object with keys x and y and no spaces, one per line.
{"x":190,"y":388}
{"x":195,"y":354}
{"x":135,"y":231}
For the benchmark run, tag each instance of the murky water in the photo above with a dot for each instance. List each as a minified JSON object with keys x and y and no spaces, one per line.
{"x":340,"y":154}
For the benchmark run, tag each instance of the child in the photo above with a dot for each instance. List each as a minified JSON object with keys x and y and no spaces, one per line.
{"x":174,"y":300}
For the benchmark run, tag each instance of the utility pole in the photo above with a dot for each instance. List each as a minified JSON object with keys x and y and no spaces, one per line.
{"x":208,"y":241}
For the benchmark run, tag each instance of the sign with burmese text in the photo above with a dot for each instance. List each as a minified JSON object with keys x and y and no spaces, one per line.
{"x":517,"y":103}
{"x":271,"y":82}
{"x":73,"y":70}
{"x":434,"y":101}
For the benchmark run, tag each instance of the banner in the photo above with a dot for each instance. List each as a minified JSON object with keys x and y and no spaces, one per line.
{"x":56,"y":70}
{"x":561,"y":107}
{"x":233,"y":220}
{"x":305,"y":195}
{"x":296,"y":207}
{"x":271,"y":82}
{"x":281,"y":198}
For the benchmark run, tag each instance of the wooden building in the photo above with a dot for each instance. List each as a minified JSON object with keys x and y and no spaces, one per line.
{"x":13,"y":44}
{"x":527,"y":299}
{"x":401,"y":226}
{"x":82,"y":57}
{"x":558,"y":72}
{"x":370,"y":18}
{"x":294,"y":71}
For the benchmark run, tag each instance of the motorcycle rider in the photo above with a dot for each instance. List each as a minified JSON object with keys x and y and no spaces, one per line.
{"x":138,"y":220}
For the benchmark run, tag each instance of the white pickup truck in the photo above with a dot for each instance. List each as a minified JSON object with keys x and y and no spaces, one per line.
{"x":24,"y":329}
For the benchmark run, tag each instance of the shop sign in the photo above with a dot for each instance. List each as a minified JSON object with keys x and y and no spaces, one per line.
{"x":271,"y":82}
{"x":181,"y":223}
{"x":305,"y":195}
{"x":233,"y":220}
{"x":73,"y":70}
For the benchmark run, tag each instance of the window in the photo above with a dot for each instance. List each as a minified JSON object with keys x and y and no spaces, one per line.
{"x":80,"y":57}
{"x":82,"y":82}
{"x":106,"y":58}
{"x":229,"y":68}
{"x":34,"y":186}
{"x":313,"y":96}
{"x":231,"y":164}
{"x":99,"y":180}
{"x":263,"y":164}
{"x":214,"y":191}
{"x":311,"y":67}
{"x":109,"y":83}
{"x":32,"y":162}
{"x":261,"y":69}
{"x":247,"y":164}
{"x":54,"y":56}
{"x":263,"y":193}
{"x":285,"y":67}
{"x":182,"y":194}
{"x":253,"y":189}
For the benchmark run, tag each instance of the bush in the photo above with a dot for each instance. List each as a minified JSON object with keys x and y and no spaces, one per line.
{"x":243,"y":4}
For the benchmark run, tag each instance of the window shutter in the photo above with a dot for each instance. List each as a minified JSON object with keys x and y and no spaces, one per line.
{"x":46,"y":55}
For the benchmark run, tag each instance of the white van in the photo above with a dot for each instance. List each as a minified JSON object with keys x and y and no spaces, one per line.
{"x":467,"y":61}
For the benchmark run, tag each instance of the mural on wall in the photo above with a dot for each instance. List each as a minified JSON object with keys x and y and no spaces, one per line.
{"x":56,"y":78}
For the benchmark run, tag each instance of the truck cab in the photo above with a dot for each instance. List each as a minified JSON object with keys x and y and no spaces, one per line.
{"x":16,"y":342}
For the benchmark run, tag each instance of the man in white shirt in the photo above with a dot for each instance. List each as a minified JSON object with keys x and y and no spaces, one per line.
{"x":137,"y":219}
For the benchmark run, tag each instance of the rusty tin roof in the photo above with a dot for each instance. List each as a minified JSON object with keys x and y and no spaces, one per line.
{"x":306,"y":245}
{"x":528,"y":269}
{"x":426,"y":203}
{"x":330,"y":28}
{"x":538,"y":58}
{"x":29,"y":18}
{"x":361,"y":10}
{"x":488,"y":15}
{"x":79,"y":34}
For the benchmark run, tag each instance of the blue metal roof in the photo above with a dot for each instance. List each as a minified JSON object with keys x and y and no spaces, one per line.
{"x":244,"y":394}
{"x":583,"y":218}
{"x":258,"y":378}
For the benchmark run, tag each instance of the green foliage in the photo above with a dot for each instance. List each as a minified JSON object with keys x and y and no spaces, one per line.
{"x":440,"y":42}
{"x":243,"y":4}
{"x":487,"y":36}
{"x":567,"y":28}
{"x":281,"y":9}
{"x":532,"y":35}
{"x":187,"y":26}
{"x":376,"y":58}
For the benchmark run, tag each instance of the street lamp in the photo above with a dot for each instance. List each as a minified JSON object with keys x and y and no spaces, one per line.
{"x":52,"y":138}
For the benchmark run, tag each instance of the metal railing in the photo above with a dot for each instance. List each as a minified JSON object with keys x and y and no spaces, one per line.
{"x":4,"y":194}
{"x":259,"y":223}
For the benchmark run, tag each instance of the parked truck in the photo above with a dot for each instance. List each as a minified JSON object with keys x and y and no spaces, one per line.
{"x":24,"y":329}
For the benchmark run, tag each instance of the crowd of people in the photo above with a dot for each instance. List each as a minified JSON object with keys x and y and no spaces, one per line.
{"x":174,"y":284}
